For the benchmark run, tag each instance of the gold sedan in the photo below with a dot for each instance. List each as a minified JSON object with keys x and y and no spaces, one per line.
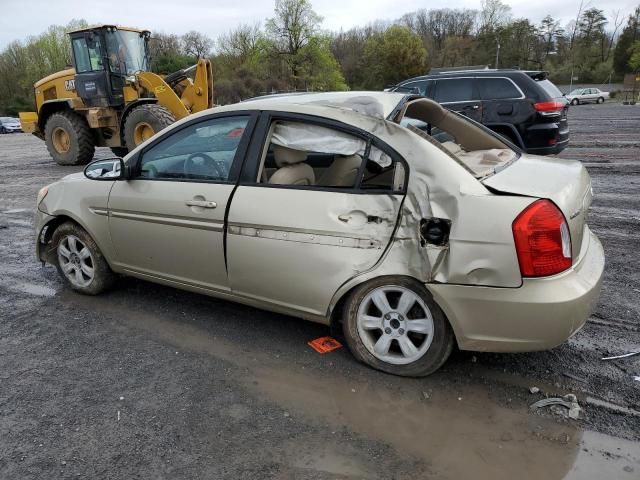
{"x":411,"y":226}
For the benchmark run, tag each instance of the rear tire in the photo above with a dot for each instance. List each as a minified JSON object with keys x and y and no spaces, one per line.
{"x":79,"y":260}
{"x":600,"y":100}
{"x":410,"y":336}
{"x":68,"y":138}
{"x":145,"y":121}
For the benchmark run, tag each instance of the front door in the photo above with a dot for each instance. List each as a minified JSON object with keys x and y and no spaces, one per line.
{"x":168,"y":221}
{"x":459,"y":95}
{"x":312,"y":219}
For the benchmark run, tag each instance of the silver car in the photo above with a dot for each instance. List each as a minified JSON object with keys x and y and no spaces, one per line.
{"x":10,"y":125}
{"x":412,"y":227}
{"x":586,"y":95}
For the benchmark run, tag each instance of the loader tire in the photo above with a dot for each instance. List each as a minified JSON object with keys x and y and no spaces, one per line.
{"x":145,"y":121}
{"x":119,"y":151}
{"x":68,"y":138}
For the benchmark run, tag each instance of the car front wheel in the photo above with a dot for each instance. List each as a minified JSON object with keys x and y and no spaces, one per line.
{"x":575,"y":101}
{"x":80,"y":261}
{"x":394,"y":325}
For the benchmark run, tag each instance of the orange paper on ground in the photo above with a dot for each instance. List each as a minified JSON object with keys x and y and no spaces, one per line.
{"x":324,"y":344}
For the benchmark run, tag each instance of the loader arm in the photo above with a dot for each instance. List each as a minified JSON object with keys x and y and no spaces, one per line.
{"x":198,"y":95}
{"x":164,"y":93}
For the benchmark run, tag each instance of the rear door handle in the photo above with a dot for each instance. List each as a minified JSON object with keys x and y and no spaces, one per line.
{"x":202,"y":203}
{"x":472,"y":107}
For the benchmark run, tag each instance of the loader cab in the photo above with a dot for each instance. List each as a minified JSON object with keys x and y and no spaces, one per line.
{"x":104,"y":57}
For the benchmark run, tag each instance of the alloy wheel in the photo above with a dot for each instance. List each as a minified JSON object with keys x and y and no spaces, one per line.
{"x":395,"y":325}
{"x":76,"y":261}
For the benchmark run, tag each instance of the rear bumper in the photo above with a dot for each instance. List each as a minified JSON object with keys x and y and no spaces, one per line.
{"x":547,"y":138}
{"x":541,"y":314}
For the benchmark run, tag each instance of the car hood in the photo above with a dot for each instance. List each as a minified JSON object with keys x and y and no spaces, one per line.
{"x":565,"y":182}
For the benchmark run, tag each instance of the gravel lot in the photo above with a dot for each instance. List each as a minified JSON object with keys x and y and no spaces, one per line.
{"x":151,"y":382}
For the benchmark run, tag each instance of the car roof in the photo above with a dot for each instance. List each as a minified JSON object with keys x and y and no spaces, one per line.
{"x":370,"y":103}
{"x":481,"y":72}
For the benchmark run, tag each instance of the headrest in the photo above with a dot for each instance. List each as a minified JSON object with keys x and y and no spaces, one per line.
{"x":287,"y":156}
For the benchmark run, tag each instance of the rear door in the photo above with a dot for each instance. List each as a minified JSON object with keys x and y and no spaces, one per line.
{"x":294,"y":246}
{"x":460,"y":95}
{"x":168,"y":221}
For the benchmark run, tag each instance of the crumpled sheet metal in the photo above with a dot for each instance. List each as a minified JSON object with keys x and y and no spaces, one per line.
{"x":480,"y":250}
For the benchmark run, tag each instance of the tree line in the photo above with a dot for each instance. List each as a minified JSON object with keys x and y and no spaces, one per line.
{"x":291,"y":51}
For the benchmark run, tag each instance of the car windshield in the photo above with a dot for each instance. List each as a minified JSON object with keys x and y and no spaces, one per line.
{"x":127,"y":51}
{"x":550,"y":88}
{"x":576,"y":92}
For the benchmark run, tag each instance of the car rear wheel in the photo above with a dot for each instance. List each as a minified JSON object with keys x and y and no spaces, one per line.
{"x":394,"y":325}
{"x":575,"y":101}
{"x":80,"y":261}
{"x":600,"y":100}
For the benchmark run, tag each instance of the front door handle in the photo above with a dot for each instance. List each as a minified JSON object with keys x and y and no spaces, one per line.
{"x":202,"y":203}
{"x":472,"y":107}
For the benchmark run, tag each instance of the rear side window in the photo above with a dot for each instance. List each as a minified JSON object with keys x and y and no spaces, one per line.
{"x":454,"y":90}
{"x":550,"y":88}
{"x":497,"y":88}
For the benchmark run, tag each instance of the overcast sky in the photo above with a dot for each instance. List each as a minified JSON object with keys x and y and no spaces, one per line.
{"x":22,"y":18}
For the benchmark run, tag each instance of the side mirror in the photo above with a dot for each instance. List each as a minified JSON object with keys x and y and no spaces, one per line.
{"x":107,"y":169}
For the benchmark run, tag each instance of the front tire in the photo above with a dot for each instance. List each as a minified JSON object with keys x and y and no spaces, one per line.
{"x":575,"y":101}
{"x":79,"y":260}
{"x":68,"y":138}
{"x":393,"y":324}
{"x":144,"y":122}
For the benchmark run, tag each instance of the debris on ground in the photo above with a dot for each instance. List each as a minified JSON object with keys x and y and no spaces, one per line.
{"x":569,"y":401}
{"x":534,"y":390}
{"x":324,"y":344}
{"x":624,"y":355}
{"x":426,"y":395}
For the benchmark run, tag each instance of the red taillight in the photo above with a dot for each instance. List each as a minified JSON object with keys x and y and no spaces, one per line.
{"x":549,"y":106}
{"x":542,"y":239}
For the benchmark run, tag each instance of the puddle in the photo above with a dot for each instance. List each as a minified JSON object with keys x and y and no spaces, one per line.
{"x":17,"y":210}
{"x":459,"y":432}
{"x":31,"y":289}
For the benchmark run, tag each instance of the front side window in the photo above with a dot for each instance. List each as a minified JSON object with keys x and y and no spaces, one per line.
{"x":415,"y":87}
{"x":454,"y":90}
{"x":497,"y":89}
{"x":127,"y":52}
{"x":87,"y":54}
{"x":203,"y":151}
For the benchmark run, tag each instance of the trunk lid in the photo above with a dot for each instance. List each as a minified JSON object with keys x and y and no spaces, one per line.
{"x":565,"y":182}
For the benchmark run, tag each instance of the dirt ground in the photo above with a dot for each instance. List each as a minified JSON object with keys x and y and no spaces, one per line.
{"x":150,"y":382}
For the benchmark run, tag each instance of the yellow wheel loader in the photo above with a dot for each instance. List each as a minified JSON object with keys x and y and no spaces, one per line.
{"x":110,"y":98}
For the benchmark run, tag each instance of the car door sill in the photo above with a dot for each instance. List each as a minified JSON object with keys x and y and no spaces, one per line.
{"x":228,"y":294}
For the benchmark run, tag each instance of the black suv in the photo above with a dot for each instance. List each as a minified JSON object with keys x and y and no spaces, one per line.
{"x":523,"y":106}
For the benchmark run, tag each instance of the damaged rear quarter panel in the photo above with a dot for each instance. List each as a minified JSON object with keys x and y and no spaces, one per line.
{"x":480,"y":249}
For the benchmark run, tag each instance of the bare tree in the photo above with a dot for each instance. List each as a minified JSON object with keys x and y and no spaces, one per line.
{"x":196,"y":44}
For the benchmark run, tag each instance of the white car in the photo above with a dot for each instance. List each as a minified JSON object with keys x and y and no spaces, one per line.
{"x":586,"y":95}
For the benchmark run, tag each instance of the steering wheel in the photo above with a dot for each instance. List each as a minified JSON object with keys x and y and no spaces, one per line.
{"x":205,"y":168}
{"x":149,"y":171}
